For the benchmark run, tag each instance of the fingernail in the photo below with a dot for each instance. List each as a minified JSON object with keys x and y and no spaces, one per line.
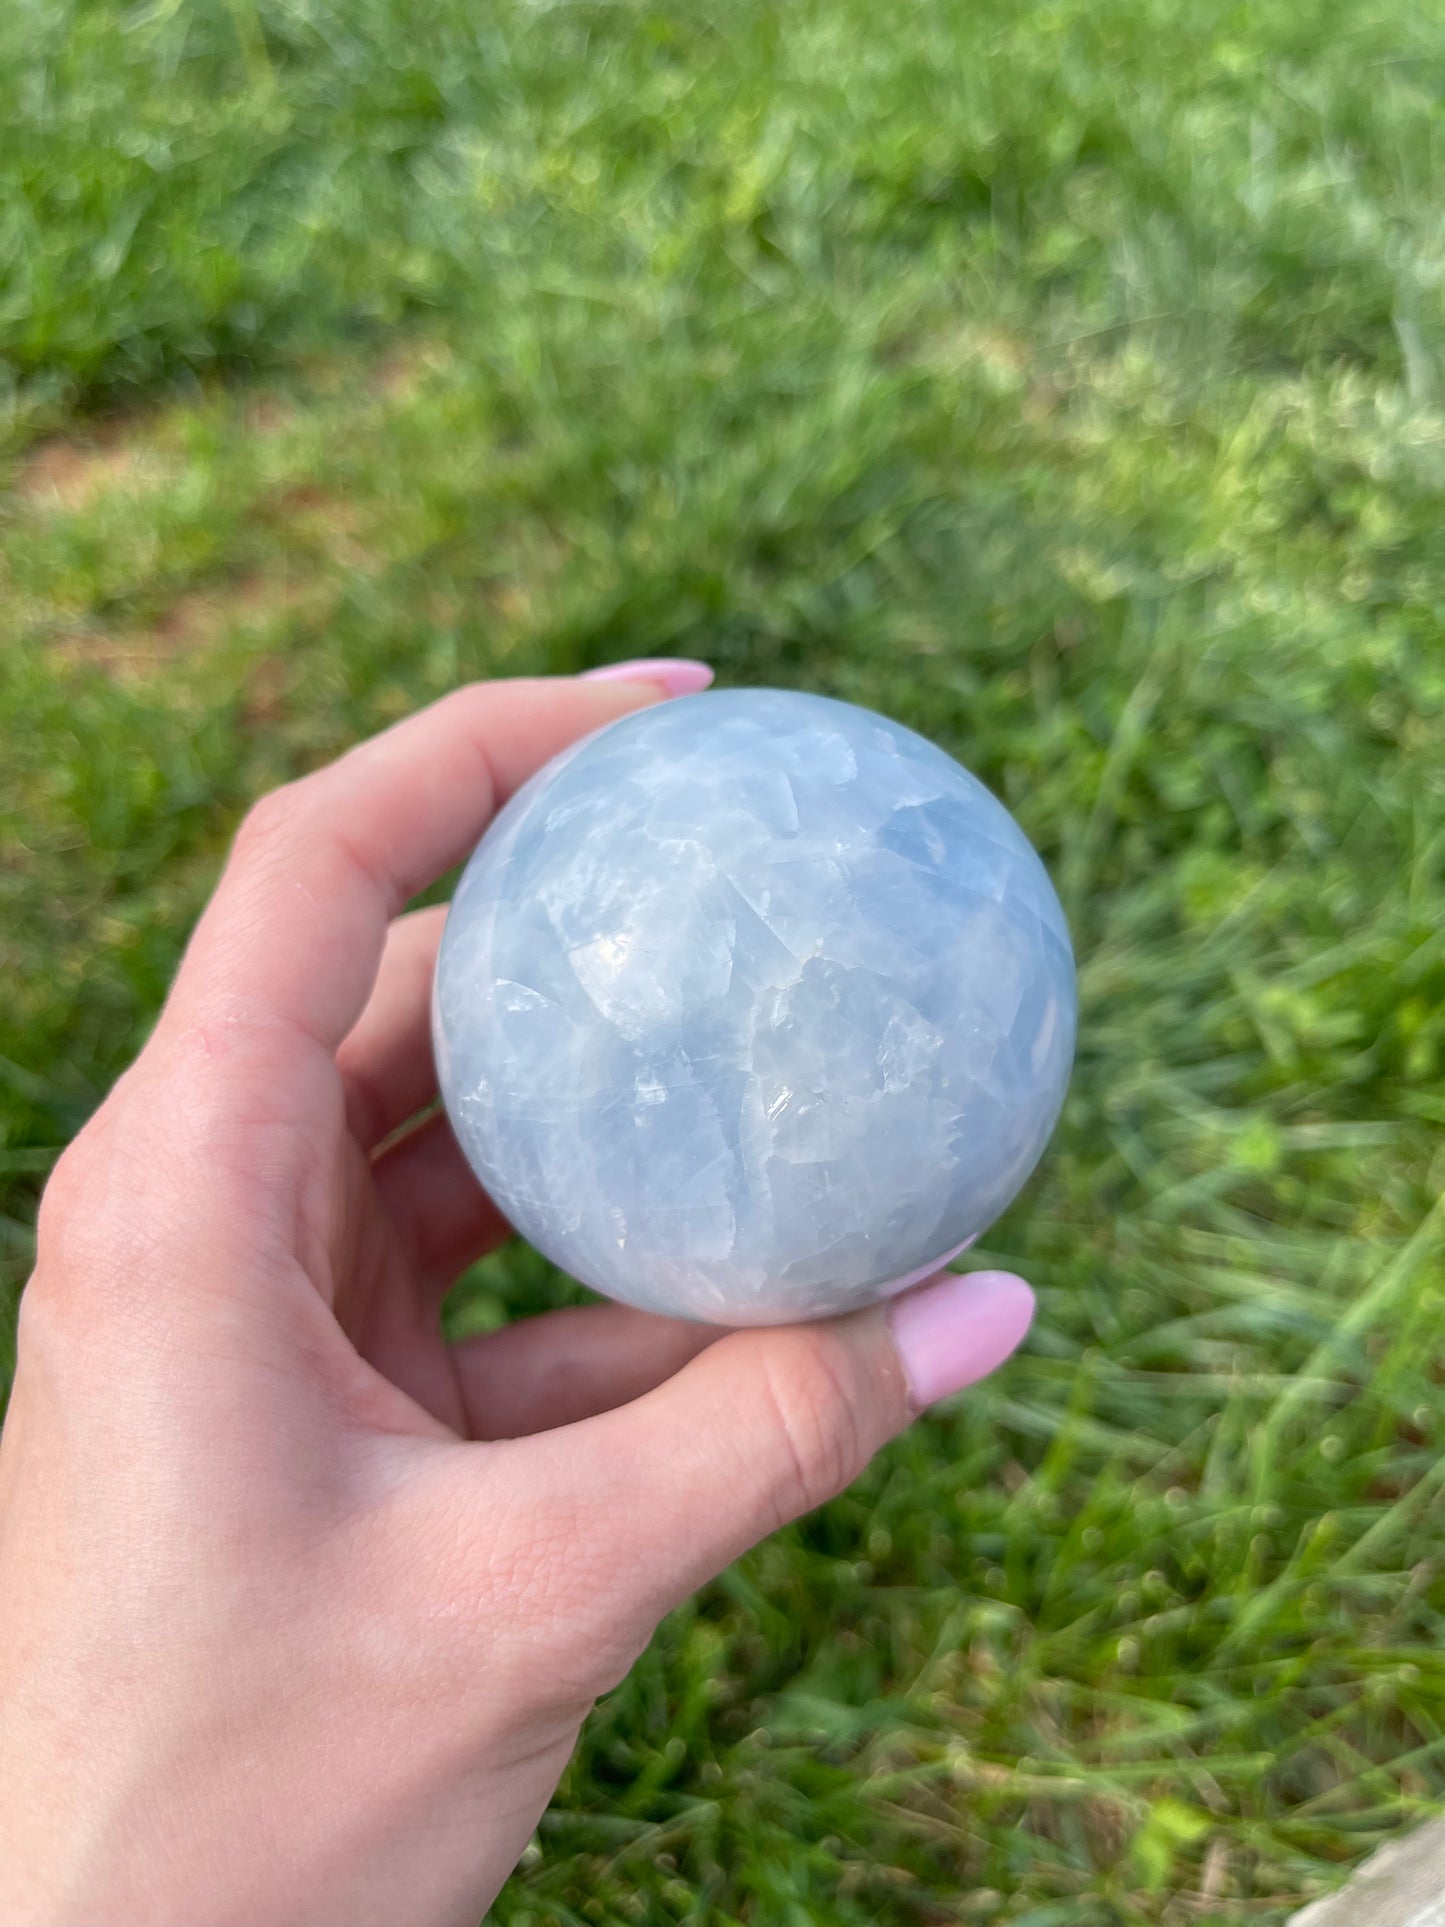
{"x":676,"y":675}
{"x":959,"y":1329}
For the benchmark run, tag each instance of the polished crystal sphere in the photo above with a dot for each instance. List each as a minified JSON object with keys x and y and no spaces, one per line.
{"x":753,"y":1006}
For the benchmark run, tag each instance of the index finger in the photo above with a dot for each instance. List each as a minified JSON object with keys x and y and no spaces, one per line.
{"x":294,"y":932}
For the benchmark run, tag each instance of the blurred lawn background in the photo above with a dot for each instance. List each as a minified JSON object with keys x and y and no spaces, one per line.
{"x":1066,"y":378}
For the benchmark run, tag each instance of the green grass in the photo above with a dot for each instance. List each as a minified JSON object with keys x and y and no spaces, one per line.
{"x":1065,"y":379}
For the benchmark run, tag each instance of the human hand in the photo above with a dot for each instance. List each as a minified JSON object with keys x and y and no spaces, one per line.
{"x":300,"y":1608}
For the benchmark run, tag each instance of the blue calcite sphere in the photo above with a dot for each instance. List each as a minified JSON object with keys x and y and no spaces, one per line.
{"x":752,"y":1007}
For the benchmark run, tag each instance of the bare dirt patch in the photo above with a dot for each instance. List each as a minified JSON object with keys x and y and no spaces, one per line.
{"x":69,"y":475}
{"x":196,"y":623}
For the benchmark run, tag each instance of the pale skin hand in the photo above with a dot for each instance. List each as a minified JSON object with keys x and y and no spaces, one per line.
{"x":300,"y":1609}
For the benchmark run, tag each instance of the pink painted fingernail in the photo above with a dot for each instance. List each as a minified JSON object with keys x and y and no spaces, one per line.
{"x":677,"y":675}
{"x":959,"y":1329}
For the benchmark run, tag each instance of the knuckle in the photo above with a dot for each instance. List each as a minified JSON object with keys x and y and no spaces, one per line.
{"x":92,"y":1237}
{"x":68,"y":1204}
{"x":268,"y":821}
{"x":65,"y":1189}
{"x":813,"y":1413}
{"x":52,"y":1324}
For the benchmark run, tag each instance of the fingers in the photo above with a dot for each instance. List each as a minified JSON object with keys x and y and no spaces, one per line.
{"x":764,"y":1425}
{"x":443,"y":1219}
{"x":294,"y":933}
{"x":385,"y":1060}
{"x":569,"y":1365}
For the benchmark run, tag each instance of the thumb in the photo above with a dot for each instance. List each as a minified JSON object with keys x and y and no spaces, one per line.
{"x":766,"y":1424}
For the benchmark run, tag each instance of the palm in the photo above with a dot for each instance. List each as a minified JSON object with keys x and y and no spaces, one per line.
{"x":383,"y":1215}
{"x":389,"y":1312}
{"x":401,"y":1217}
